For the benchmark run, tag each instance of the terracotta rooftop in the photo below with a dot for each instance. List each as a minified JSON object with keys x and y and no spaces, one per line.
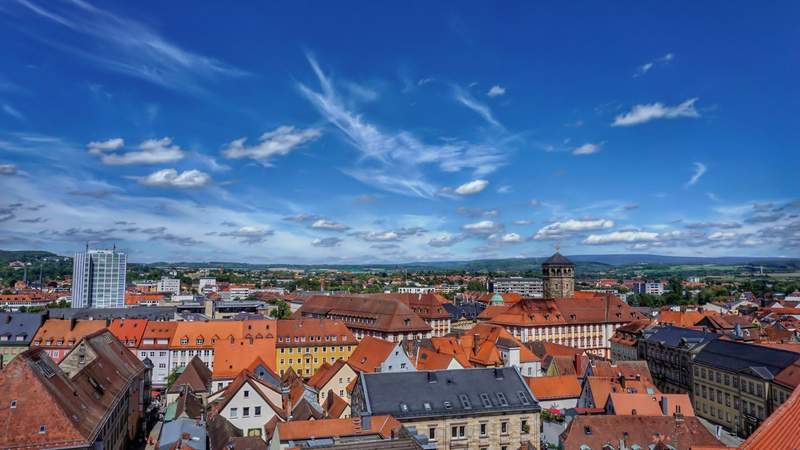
{"x":554,"y":388}
{"x":68,"y":332}
{"x":530,"y":312}
{"x":602,"y":387}
{"x":643,"y":404}
{"x":427,"y":306}
{"x":384,"y":315}
{"x":308,"y":332}
{"x":324,"y":374}
{"x":644,"y":431}
{"x":233,"y":356}
{"x":128,"y":331}
{"x":334,"y":405}
{"x":780,"y":430}
{"x":195,"y":375}
{"x":427,"y":359}
{"x":370,"y":353}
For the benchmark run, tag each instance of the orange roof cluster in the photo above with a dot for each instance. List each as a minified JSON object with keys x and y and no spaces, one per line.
{"x":583,"y":309}
{"x":134,"y":298}
{"x":427,"y":359}
{"x":554,"y":388}
{"x":313,"y":332}
{"x":602,"y":387}
{"x":683,"y":319}
{"x":324,"y":374}
{"x":204,"y":334}
{"x":367,"y":313}
{"x":64,"y":332}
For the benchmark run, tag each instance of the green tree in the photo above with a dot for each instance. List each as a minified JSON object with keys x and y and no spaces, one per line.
{"x":172,"y":377}
{"x":281,"y":311}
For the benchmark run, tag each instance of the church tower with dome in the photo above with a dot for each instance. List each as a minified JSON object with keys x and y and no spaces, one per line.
{"x":558,"y":274}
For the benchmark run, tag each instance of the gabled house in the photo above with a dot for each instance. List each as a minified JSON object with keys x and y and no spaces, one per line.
{"x":248,"y":403}
{"x":377,"y":355}
{"x":232,"y":356}
{"x":195,"y":375}
{"x":333,"y":377}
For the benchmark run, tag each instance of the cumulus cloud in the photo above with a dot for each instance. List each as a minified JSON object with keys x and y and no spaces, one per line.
{"x":249,"y":234}
{"x":724,"y":225}
{"x":278,"y":142}
{"x":445,"y":240}
{"x":722,"y":235}
{"x":472,"y":187}
{"x":496,"y":91}
{"x":522,"y":222}
{"x":617,"y":237}
{"x":302,"y":218}
{"x":586,"y":149}
{"x":151,"y":151}
{"x":171,"y":178}
{"x":557,"y":230}
{"x":645,"y":113}
{"x":324,"y":224}
{"x":510,"y":238}
{"x":326,"y":242}
{"x":699,"y":171}
{"x":476,"y":212}
{"x":484,"y":227}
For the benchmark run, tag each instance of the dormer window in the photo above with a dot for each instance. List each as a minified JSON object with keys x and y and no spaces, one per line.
{"x":13,"y":404}
{"x":199,"y":341}
{"x":42,"y":429}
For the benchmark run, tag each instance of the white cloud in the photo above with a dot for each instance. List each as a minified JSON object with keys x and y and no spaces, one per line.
{"x":171,"y":178}
{"x":722,"y":235}
{"x":586,"y":149}
{"x":486,"y":227}
{"x":380,"y":236}
{"x":445,"y":240}
{"x":249,"y":234}
{"x":522,"y":222}
{"x":645,"y":113}
{"x":8,"y":169}
{"x":326,"y":242}
{"x":278,"y":142}
{"x":125,"y":46}
{"x":699,"y":171}
{"x":98,"y":147}
{"x":13,"y":112}
{"x":323,"y":224}
{"x":510,"y":238}
{"x":496,"y":91}
{"x":473,"y":187}
{"x":557,"y":230}
{"x":505,"y":189}
{"x":646,"y":67}
{"x":618,"y":237}
{"x":151,"y":151}
{"x":466,"y":99}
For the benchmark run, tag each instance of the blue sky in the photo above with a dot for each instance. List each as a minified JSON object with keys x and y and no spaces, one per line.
{"x":311,"y":132}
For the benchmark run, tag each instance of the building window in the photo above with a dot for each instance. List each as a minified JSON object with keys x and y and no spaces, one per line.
{"x":13,"y":404}
{"x":432,"y":433}
{"x":246,"y":411}
{"x":458,"y":432}
{"x":257,"y":411}
{"x":483,"y":429}
{"x":246,"y":393}
{"x":42,"y":429}
{"x":234,"y":413}
{"x":503,"y":427}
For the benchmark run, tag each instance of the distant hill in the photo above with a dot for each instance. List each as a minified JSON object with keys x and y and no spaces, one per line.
{"x":7,"y":256}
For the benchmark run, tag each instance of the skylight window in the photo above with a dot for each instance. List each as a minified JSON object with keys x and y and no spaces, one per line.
{"x":523,"y":398}
{"x":501,"y":398}
{"x":465,"y":401}
{"x":487,"y":403}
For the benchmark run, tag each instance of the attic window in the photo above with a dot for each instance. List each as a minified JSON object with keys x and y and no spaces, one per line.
{"x":404,"y":407}
{"x":465,"y":401}
{"x":13,"y":404}
{"x":199,"y":341}
{"x":42,"y":429}
{"x":485,"y":400}
{"x":501,"y":398}
{"x":448,"y":405}
{"x":523,"y":398}
{"x":427,"y":406}
{"x":587,"y":431}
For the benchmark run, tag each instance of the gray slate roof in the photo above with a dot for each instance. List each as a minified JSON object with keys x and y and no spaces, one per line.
{"x":558,"y":259}
{"x":734,"y":356}
{"x":675,"y":336}
{"x":16,"y":325}
{"x":447,"y":393}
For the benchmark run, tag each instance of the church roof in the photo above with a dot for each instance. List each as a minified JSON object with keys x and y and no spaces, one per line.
{"x":557,"y":258}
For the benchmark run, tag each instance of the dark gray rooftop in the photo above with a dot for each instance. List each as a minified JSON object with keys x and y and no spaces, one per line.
{"x":135,"y":312}
{"x":558,"y":259}
{"x":19,"y":328}
{"x":733,"y":356}
{"x":448,"y":393}
{"x":675,"y":336}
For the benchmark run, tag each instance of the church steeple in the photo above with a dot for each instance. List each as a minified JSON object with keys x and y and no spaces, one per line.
{"x":558,"y":274}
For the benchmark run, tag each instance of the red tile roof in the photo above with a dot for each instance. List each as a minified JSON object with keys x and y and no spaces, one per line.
{"x":128,"y":331}
{"x":595,"y":431}
{"x":427,"y":359}
{"x":554,"y":388}
{"x":68,"y":332}
{"x":562,"y":311}
{"x":781,"y":429}
{"x":308,"y":332}
{"x":331,"y":428}
{"x":369,"y":354}
{"x":642,"y":404}
{"x":324,"y":374}
{"x":233,"y":356}
{"x":366,"y":313}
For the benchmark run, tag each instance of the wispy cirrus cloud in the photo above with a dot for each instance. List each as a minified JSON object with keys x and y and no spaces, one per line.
{"x":699,"y":170}
{"x":644,"y":113}
{"x":123,"y":45}
{"x":472,"y":187}
{"x":13,"y":112}
{"x":482,"y":109}
{"x":278,"y":142}
{"x":8,"y":169}
{"x":326,"y":242}
{"x":560,"y":230}
{"x":587,"y":149}
{"x":395,"y":161}
{"x":648,"y":66}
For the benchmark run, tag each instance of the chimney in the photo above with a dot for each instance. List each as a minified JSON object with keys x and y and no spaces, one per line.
{"x":72,"y":324}
{"x":475,"y":341}
{"x":498,"y":373}
{"x":664,"y":405}
{"x":366,"y":422}
{"x":432,"y":377}
{"x":621,"y":379}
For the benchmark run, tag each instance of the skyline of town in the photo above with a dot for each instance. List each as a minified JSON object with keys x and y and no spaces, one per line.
{"x":472,"y":133}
